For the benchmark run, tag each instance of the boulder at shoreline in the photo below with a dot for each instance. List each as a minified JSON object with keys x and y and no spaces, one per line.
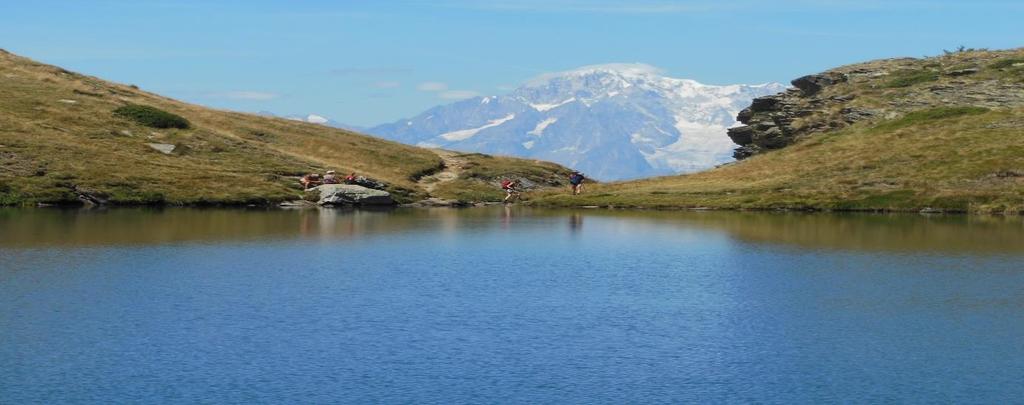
{"x":350,"y":194}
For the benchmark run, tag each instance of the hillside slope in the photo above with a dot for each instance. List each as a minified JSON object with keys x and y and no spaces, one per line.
{"x":945,"y":133}
{"x":60,"y":140}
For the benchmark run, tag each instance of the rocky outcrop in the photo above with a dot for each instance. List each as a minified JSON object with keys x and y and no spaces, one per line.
{"x":350,"y":194}
{"x":875,"y":91}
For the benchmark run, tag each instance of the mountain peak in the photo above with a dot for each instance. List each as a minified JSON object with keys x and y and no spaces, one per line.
{"x":624,"y":70}
{"x":613,"y":121}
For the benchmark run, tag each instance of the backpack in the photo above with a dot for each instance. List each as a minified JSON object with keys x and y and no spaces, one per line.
{"x":505,"y":184}
{"x":576,"y":179}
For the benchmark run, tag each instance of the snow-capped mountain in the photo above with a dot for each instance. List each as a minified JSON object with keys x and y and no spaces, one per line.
{"x":615,"y":121}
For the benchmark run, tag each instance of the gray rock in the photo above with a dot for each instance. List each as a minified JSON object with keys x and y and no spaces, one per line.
{"x":745,"y":115}
{"x":773,"y":138}
{"x":812,"y":84}
{"x":741,"y":135}
{"x":350,"y":194}
{"x":962,"y":72}
{"x":766,"y":103}
{"x":851,"y":114}
{"x":164,"y":148}
{"x":745,"y":151}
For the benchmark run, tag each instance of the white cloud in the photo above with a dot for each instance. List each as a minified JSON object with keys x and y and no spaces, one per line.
{"x":387,"y":84}
{"x":458,"y":94}
{"x":432,"y":86}
{"x":245,"y":95}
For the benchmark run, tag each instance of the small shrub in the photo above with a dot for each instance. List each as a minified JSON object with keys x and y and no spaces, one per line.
{"x":909,"y":78}
{"x":151,"y":117}
{"x":962,"y":49}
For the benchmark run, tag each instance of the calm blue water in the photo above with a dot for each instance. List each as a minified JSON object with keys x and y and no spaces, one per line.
{"x":499,"y":306}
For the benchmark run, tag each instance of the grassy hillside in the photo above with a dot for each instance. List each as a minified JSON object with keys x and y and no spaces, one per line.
{"x":938,"y":138}
{"x":64,"y":135}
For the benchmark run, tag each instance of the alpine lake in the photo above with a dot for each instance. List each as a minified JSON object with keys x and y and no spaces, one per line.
{"x":508,"y":305}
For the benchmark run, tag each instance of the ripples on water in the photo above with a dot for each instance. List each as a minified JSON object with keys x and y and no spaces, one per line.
{"x":508,"y":305}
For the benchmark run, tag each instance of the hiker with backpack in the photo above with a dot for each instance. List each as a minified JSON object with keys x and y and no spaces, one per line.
{"x":310,"y":180}
{"x":576,"y":182}
{"x":511,"y":188}
{"x":331,"y":178}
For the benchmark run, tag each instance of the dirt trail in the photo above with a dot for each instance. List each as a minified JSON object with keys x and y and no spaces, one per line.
{"x":452,"y":168}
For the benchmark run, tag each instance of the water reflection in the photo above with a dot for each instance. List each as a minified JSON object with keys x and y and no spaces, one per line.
{"x":864,"y":232}
{"x":575,"y":222}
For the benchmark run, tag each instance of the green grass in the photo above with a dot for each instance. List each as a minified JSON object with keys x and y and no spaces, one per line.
{"x":469,"y":190}
{"x":482,"y":174}
{"x":909,"y":78}
{"x":151,"y":116}
{"x":1006,"y":63}
{"x":929,"y":116}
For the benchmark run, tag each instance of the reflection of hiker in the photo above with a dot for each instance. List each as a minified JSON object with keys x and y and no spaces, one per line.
{"x":576,"y":181}
{"x":511,"y":190}
{"x":310,"y":180}
{"x":331,"y":178}
{"x":575,"y":222}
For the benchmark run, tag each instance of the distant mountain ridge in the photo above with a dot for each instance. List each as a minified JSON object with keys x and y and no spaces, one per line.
{"x":613,"y":121}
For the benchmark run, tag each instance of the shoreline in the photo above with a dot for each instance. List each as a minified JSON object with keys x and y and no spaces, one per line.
{"x":454,"y":204}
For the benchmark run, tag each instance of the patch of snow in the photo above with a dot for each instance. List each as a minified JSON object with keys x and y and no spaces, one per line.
{"x":468,"y":133}
{"x":637,"y":138}
{"x":408,"y":123}
{"x":539,"y":129}
{"x":528,"y":144}
{"x":316,"y":119}
{"x":545,"y":107}
{"x":485,"y":100}
{"x":699,"y":147}
{"x":66,"y":101}
{"x":428,"y":145}
{"x":628,"y":70}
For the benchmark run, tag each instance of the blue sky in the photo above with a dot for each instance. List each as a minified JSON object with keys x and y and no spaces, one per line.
{"x":368,"y":62}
